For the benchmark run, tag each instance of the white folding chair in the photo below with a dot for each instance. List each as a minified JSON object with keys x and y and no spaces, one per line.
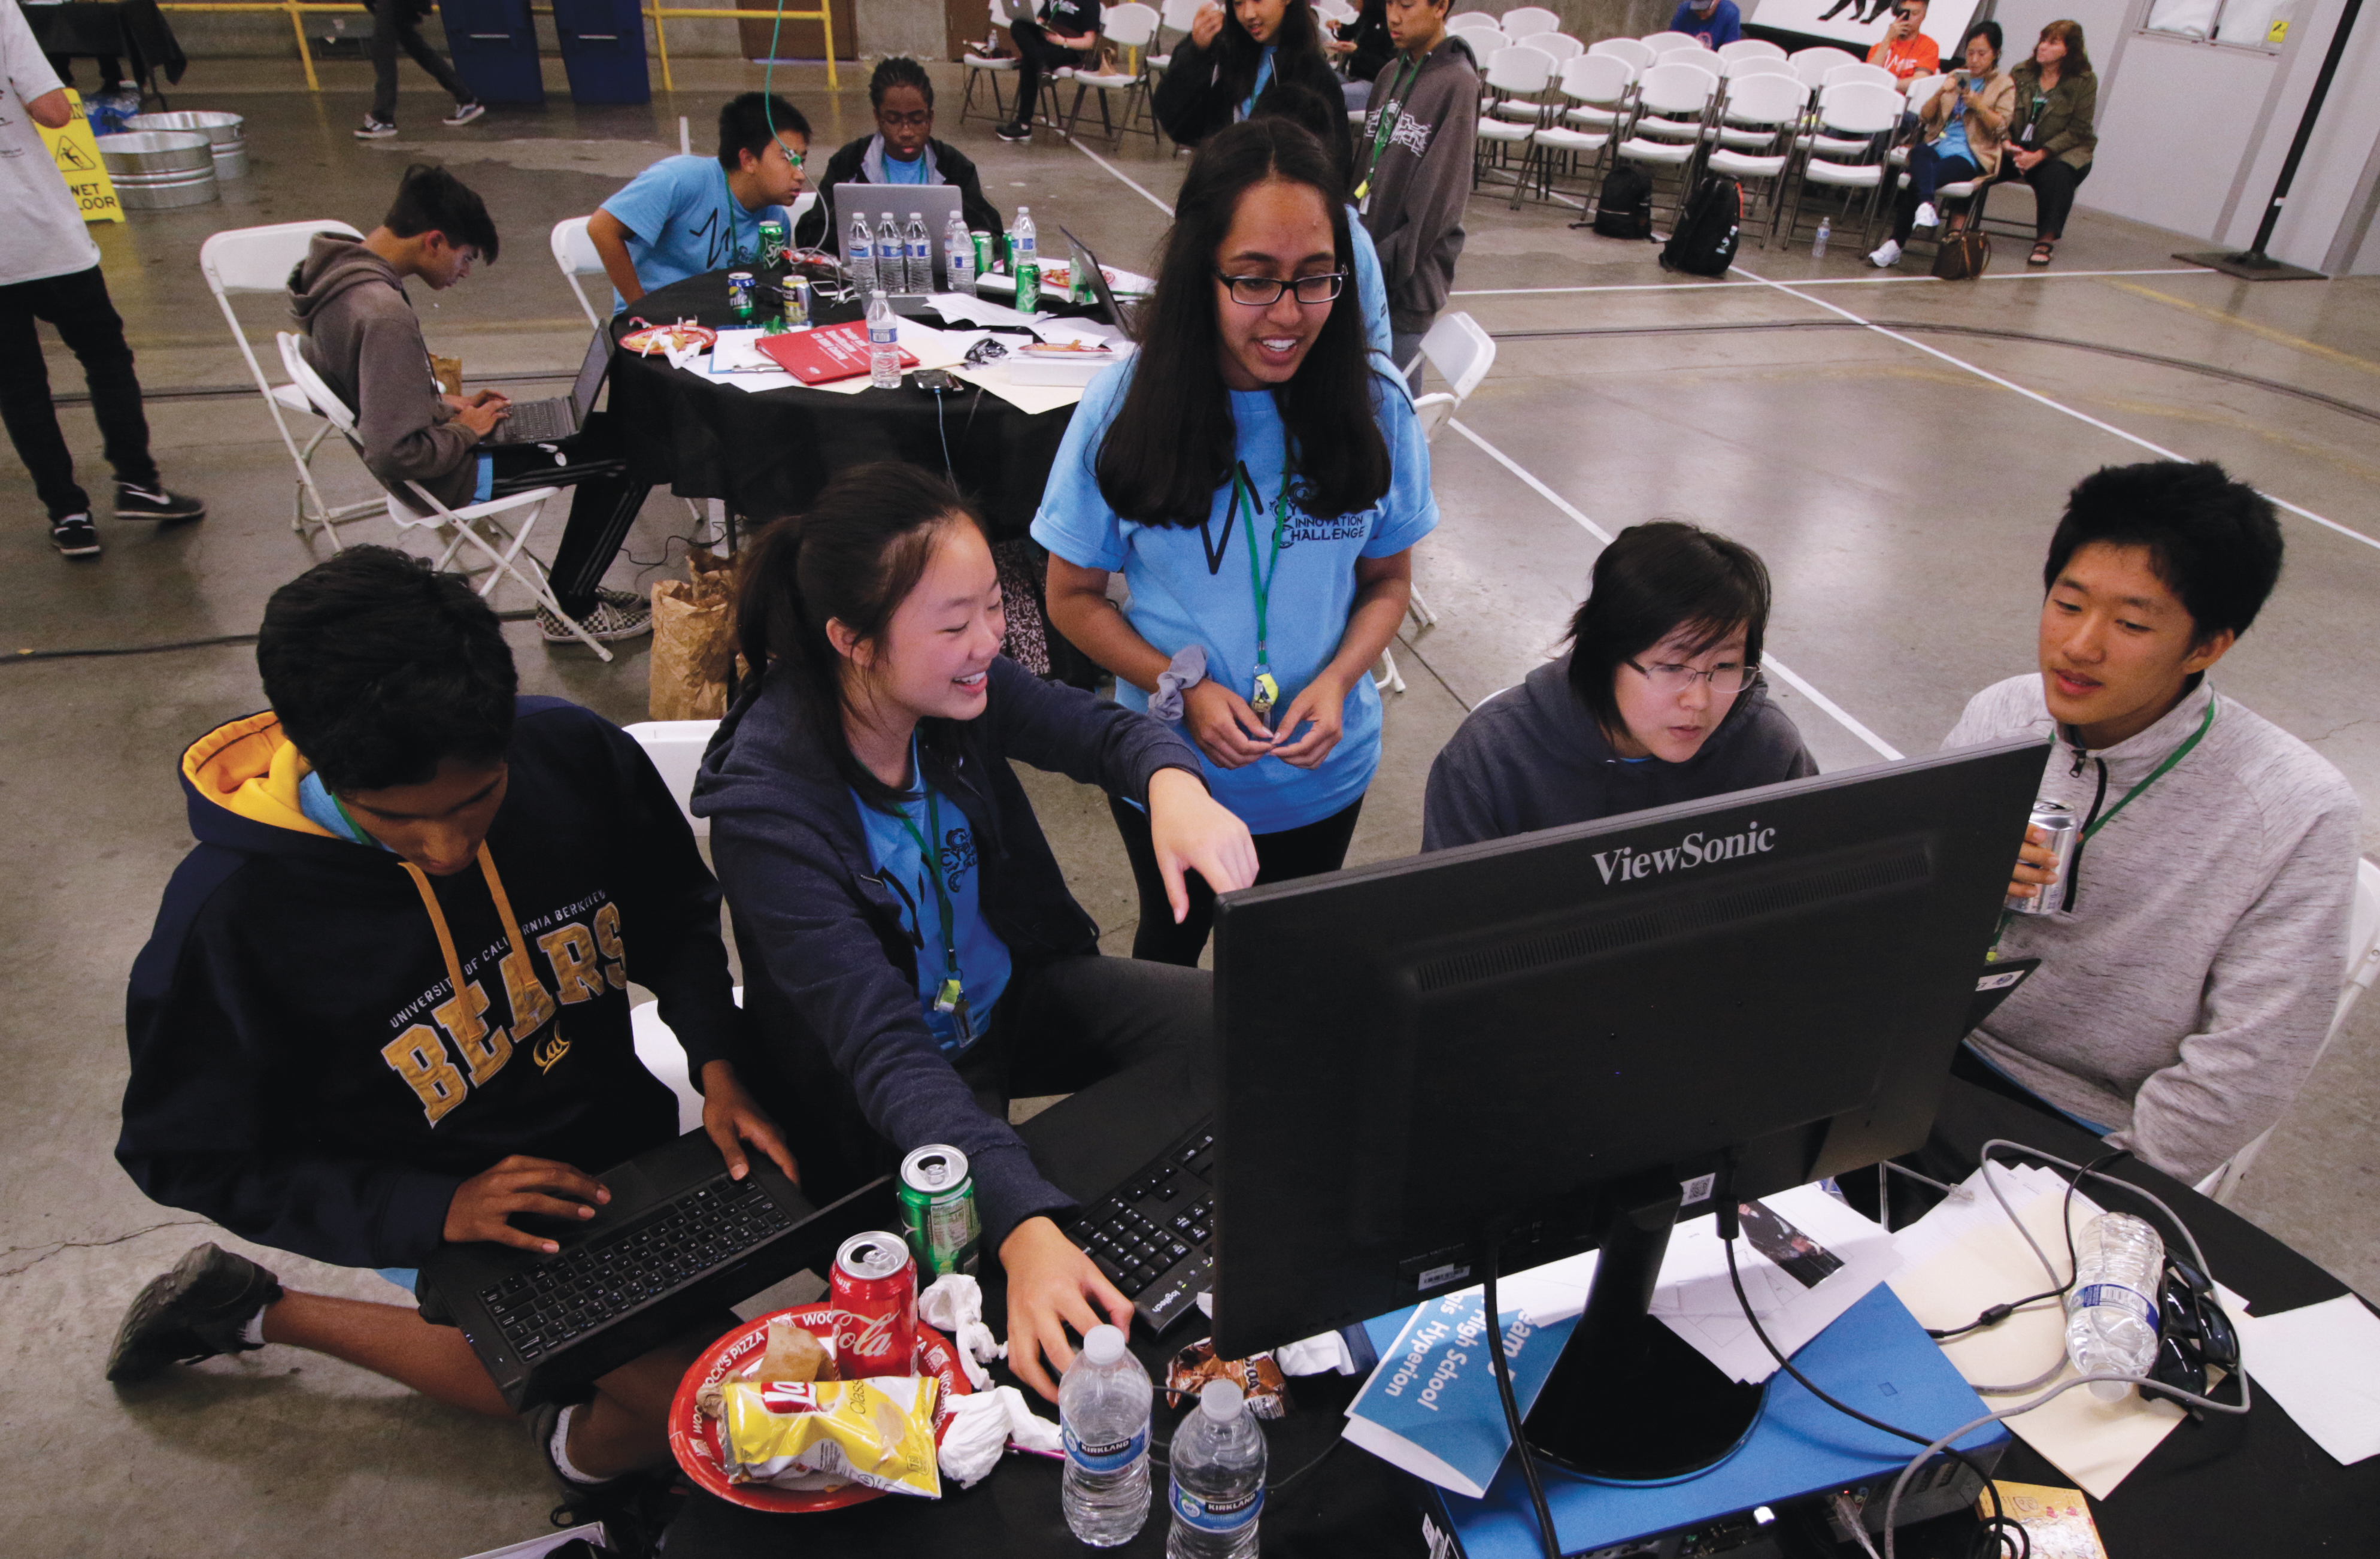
{"x":573,"y":252}
{"x":1462,"y":352}
{"x":1635,"y":50}
{"x":675,"y":747}
{"x":1668,"y":44}
{"x":260,"y":260}
{"x":1514,"y":74}
{"x":1522,"y":21}
{"x":986,"y":69}
{"x":1875,"y":74}
{"x":480,"y":526}
{"x":1760,"y":65}
{"x":1131,"y":27}
{"x":1812,"y":64}
{"x":1844,"y":148}
{"x":1674,"y":102}
{"x":1472,"y":21}
{"x":1703,"y":60}
{"x":1755,"y":134}
{"x":1597,"y":88}
{"x":2362,"y":969}
{"x":1751,"y":48}
{"x":1560,"y":45}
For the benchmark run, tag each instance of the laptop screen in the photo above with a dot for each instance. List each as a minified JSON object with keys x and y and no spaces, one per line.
{"x":591,"y":372}
{"x":936,"y":203}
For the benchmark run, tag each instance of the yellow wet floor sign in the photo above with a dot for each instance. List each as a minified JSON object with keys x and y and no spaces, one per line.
{"x":76,"y":150}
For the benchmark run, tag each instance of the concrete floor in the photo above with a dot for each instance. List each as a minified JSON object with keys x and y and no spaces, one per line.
{"x":1901,"y":487}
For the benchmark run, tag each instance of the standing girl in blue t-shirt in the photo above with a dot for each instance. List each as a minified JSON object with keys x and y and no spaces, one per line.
{"x":1260,"y":481}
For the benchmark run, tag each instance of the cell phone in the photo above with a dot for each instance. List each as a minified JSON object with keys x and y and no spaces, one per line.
{"x":934,"y":381}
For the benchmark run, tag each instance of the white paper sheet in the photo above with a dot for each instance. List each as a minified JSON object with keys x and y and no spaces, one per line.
{"x":2322,"y":1364}
{"x":1696,"y":1300}
{"x":1033,"y":399}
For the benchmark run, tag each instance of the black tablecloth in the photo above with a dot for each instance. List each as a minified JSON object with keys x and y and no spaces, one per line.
{"x":2222,"y":1489}
{"x":133,"y":30}
{"x":769,"y":453}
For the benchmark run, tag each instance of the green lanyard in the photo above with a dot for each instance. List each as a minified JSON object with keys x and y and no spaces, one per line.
{"x":951,"y":996}
{"x":1387,"y":126}
{"x":1266,"y":691}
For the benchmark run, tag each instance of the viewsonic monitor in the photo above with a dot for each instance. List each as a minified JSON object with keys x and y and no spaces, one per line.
{"x":1565,"y":1040}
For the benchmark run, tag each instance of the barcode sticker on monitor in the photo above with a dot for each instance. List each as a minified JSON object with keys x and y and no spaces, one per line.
{"x":1697,"y":1189}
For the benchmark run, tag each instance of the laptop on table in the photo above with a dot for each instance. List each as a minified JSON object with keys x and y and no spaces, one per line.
{"x":937,"y":203}
{"x":559,"y":417}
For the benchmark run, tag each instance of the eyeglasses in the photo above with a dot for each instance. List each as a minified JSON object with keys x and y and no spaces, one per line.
{"x":1726,"y":679}
{"x":1263,"y":292}
{"x":916,"y":120}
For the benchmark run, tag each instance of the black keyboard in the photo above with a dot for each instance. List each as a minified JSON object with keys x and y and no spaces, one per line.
{"x":1153,"y":1236}
{"x":580,"y":1289}
{"x":539,"y":422}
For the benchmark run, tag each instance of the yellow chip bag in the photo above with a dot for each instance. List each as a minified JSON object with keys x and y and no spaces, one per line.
{"x":878,"y":1432}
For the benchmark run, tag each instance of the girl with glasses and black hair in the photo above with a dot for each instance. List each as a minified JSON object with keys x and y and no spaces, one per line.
{"x":1260,"y":481}
{"x":1234,"y":53}
{"x":1658,"y":699}
{"x":902,"y":151}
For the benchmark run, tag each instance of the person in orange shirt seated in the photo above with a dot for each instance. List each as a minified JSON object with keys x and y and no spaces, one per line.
{"x":1906,"y":51}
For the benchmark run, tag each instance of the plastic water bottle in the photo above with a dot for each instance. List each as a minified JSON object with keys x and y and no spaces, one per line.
{"x":860,"y":255}
{"x":958,"y":256}
{"x":1022,"y":244}
{"x":884,"y":343}
{"x":1818,"y":244}
{"x":2111,"y":1312}
{"x":1217,"y":1486}
{"x":920,"y":245}
{"x":1103,"y":1418}
{"x":892,"y":257}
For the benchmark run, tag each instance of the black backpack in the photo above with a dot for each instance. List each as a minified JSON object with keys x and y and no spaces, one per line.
{"x":1704,"y":244}
{"x":1625,"y":209}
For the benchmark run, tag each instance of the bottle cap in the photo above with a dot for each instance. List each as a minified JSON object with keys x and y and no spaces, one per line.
{"x":1221,"y":1400}
{"x":1102,"y":1345}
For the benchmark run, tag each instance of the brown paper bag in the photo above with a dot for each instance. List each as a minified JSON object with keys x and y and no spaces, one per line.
{"x":448,"y":372}
{"x":694,"y":641}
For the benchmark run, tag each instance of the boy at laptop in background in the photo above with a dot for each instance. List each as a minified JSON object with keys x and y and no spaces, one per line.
{"x":363,"y":338}
{"x":385,"y":1002}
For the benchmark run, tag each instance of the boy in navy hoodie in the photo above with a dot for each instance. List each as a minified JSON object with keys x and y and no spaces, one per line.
{"x":386,"y":1002}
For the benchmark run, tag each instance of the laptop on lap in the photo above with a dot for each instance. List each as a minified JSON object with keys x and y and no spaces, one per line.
{"x":559,"y":417}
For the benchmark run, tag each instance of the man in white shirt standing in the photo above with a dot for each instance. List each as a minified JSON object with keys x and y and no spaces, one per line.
{"x":49,"y":270}
{"x":2198,"y":941}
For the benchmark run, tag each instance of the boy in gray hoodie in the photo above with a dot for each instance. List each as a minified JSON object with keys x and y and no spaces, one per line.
{"x":2199,"y":938}
{"x":363,"y":338}
{"x":1412,"y":165}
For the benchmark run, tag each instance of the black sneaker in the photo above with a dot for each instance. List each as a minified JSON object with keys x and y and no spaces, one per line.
{"x":464,"y":113}
{"x":75,"y":536}
{"x":1017,"y":130}
{"x":374,"y":129}
{"x":616,"y":615}
{"x":135,"y":502}
{"x":635,"y":1509}
{"x":199,"y":1309}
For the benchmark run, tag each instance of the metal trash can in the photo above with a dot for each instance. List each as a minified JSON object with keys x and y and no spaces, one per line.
{"x":222,"y":130}
{"x":160,"y":170}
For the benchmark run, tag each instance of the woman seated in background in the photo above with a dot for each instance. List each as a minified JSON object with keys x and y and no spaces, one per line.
{"x":912,"y":957}
{"x":1232,"y":56}
{"x":2057,"y":96}
{"x":1658,"y":699}
{"x":903,"y":151}
{"x":1962,"y":128}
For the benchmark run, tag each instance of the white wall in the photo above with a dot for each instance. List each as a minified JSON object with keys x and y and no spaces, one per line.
{"x":2175,"y":119}
{"x":2323,"y":197}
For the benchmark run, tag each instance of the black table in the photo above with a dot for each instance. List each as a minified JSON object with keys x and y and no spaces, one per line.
{"x":133,"y":30}
{"x":768,"y":453}
{"x":2222,"y":1489}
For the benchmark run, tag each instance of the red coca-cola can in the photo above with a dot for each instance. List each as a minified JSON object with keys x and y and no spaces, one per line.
{"x":874,"y":1287}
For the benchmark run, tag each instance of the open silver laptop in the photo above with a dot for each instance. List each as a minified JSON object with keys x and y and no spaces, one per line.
{"x":935,"y":202}
{"x":548,"y":421}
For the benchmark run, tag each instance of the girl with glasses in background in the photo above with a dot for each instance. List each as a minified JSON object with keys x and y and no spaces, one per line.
{"x":1657,"y":699}
{"x":1259,"y":480}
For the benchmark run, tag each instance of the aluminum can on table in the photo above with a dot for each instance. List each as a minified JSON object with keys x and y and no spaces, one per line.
{"x":2057,"y":819}
{"x":739,"y":294}
{"x":772,"y":244}
{"x":797,"y":301}
{"x":1028,"y":284}
{"x":874,"y":1290}
{"x":938,"y":1208}
{"x":983,"y":242}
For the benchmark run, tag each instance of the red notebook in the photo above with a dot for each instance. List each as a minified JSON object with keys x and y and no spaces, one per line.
{"x":826,"y":354}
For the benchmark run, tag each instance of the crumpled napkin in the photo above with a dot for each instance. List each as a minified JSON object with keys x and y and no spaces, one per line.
{"x":952,"y":1305}
{"x":983,"y":1424}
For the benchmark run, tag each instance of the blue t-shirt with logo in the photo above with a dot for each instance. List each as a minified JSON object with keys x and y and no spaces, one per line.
{"x":1371,"y":288}
{"x":984,"y":965}
{"x":686,"y":222}
{"x":911,"y":172}
{"x":1191,"y":586}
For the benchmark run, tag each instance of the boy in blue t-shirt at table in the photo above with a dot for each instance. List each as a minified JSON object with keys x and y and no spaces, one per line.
{"x":687,"y":216}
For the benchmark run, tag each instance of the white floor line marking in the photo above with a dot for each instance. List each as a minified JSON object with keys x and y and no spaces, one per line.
{"x":2156,"y":449}
{"x":1820,"y":281}
{"x":1798,"y":682}
{"x":1120,"y":173}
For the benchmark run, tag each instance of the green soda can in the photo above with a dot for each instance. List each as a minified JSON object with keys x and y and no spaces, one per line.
{"x":772,"y":245}
{"x":739,"y":294}
{"x":938,"y":1210}
{"x":1029,"y":286}
{"x":983,"y":242}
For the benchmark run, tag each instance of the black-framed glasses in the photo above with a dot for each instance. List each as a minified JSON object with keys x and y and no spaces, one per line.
{"x":1263,"y":292}
{"x":1726,"y":679}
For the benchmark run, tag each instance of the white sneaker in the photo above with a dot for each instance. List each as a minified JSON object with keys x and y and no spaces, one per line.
{"x":464,"y":113}
{"x":1927,"y":216}
{"x":375,"y":129}
{"x":1887,"y":256}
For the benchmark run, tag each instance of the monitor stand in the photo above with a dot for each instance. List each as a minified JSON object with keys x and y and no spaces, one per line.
{"x":1628,"y":1401}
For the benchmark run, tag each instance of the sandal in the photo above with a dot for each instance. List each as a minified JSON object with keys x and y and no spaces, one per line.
{"x":2041,"y":253}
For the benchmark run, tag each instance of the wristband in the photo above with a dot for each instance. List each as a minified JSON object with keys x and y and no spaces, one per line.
{"x":1186,"y":671}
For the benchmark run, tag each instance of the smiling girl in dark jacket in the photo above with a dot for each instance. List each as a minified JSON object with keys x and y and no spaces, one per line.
{"x":911,"y":953}
{"x":1231,"y":56}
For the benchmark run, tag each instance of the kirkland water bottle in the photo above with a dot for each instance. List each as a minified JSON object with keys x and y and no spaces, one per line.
{"x":860,"y":255}
{"x":958,"y":256}
{"x":1022,"y":246}
{"x":1818,"y":244}
{"x":1103,"y":1416}
{"x":1218,"y":1486}
{"x":920,"y":245}
{"x":884,"y":343}
{"x":2111,"y":1313}
{"x":891,"y":258}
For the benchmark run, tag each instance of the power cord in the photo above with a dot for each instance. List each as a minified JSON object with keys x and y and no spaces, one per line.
{"x":1997,"y":1313}
{"x":1492,"y":1250}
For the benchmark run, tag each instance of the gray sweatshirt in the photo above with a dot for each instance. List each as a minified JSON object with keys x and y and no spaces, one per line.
{"x":1532,"y":757}
{"x":1414,"y":208}
{"x":362,"y":337}
{"x":2181,"y":999}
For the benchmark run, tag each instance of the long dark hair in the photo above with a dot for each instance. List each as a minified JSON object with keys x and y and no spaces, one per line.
{"x":1302,"y":107}
{"x":1172,"y":442}
{"x":853,"y":556}
{"x":1652,"y":580}
{"x":1242,"y":54}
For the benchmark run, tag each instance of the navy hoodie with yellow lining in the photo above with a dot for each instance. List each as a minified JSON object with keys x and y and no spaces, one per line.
{"x":302,"y":1072}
